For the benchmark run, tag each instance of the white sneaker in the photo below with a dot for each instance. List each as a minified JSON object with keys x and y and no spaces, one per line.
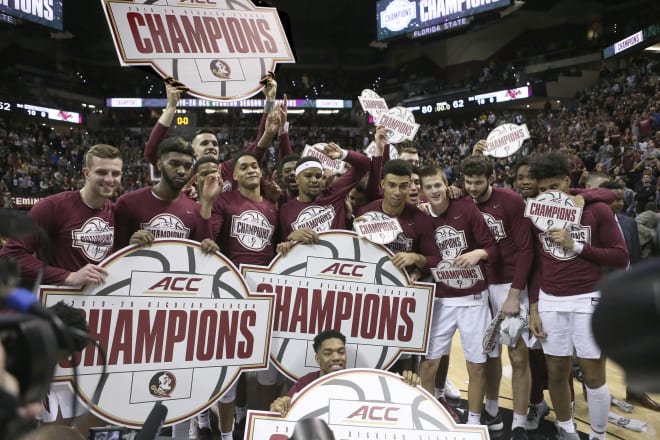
{"x":451,"y":390}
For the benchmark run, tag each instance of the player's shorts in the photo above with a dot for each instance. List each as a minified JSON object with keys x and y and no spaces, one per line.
{"x":567,"y":322}
{"x":470,"y":315}
{"x":498,"y":294}
{"x":59,"y":399}
{"x":271,"y":376}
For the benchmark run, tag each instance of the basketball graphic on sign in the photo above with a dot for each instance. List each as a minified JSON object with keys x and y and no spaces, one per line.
{"x":350,"y":285}
{"x":178,"y":327}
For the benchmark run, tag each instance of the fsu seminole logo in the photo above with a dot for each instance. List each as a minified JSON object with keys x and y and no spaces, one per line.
{"x":177,"y":326}
{"x":219,"y":48}
{"x":451,"y":242}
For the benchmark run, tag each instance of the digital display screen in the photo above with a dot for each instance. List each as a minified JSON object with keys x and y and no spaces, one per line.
{"x":44,"y":12}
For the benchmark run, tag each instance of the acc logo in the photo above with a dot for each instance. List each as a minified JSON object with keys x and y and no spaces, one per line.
{"x":580,"y":234}
{"x":219,"y":49}
{"x":176,"y":284}
{"x":345,"y":269}
{"x":450,"y":241}
{"x":252,"y":230}
{"x":94,"y":238}
{"x":166,"y":226}
{"x":375,"y":413}
{"x":496,"y":226}
{"x":318,"y":218}
{"x":162,"y":384}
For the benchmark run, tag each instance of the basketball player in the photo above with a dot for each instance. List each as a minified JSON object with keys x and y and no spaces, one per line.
{"x":79,"y":241}
{"x":570,"y":270}
{"x":462,"y":238}
{"x":504,"y":212}
{"x":330,"y":349}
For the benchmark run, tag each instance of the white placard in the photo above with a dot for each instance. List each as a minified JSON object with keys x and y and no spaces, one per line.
{"x":372,"y":103}
{"x":337,"y":166}
{"x":400,"y":122}
{"x":506,"y":139}
{"x":553,"y":209}
{"x":377,"y":227}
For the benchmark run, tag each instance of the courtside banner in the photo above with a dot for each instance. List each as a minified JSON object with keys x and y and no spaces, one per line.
{"x":178,"y":327}
{"x":364,"y":404}
{"x":345,"y":283}
{"x":219,"y":49}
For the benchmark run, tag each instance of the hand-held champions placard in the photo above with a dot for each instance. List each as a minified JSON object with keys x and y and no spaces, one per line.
{"x":505,"y":140}
{"x":372,"y":103}
{"x":377,"y":227}
{"x":553,"y":209}
{"x":347,"y":284}
{"x":178,"y":327}
{"x":219,"y":49}
{"x":336,"y":165}
{"x":365,"y":404}
{"x":401,"y":124}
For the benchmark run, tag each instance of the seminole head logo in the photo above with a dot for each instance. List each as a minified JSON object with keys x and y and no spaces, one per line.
{"x":220,"y":69}
{"x":162,"y":384}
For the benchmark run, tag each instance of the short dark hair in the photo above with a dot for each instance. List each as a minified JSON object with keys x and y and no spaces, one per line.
{"x":324,"y":336}
{"x":398,"y":167}
{"x":203,"y":131}
{"x":175,"y":145}
{"x":522,"y":162}
{"x":416,"y":170}
{"x":550,"y":165}
{"x":240,"y":154}
{"x":611,"y":185}
{"x":204,"y":159}
{"x":477,"y":166}
{"x":289,"y":158}
{"x":70,"y":317}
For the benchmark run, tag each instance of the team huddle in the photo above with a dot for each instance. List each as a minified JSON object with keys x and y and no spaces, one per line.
{"x":547,"y":277}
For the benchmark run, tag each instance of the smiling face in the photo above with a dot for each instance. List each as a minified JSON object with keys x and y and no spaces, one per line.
{"x":103,"y":176}
{"x":205,"y":144}
{"x":435,"y":189}
{"x":525,"y":183}
{"x":395,"y":191}
{"x":478,"y":187}
{"x":331,"y":356}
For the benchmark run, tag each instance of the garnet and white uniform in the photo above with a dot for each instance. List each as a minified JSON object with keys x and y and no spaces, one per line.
{"x":328,"y":211}
{"x":462,"y":297}
{"x":568,"y":294}
{"x":244,"y":229}
{"x":79,"y":236}
{"x":142,"y":209}
{"x":504,"y":213}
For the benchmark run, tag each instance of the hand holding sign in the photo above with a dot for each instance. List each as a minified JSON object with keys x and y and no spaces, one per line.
{"x":554,"y":209}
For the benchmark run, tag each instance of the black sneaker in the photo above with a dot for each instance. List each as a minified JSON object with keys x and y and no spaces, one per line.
{"x":493,"y":423}
{"x":519,"y":433}
{"x":536,"y":414}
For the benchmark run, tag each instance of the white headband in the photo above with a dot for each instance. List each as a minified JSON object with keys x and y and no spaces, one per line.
{"x":308,"y":164}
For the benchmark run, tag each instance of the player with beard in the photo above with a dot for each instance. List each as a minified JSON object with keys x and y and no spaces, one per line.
{"x":315,"y":209}
{"x":162,"y":211}
{"x":462,"y":238}
{"x":79,"y":241}
{"x":205,"y":143}
{"x":504,"y":212}
{"x":569,"y":272}
{"x":330,"y":349}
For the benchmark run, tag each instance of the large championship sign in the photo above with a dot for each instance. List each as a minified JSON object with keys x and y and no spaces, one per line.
{"x":219,"y":48}
{"x":349,"y":284}
{"x":365,"y":404}
{"x":178,"y":327}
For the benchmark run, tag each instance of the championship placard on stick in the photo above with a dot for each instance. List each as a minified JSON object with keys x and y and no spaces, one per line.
{"x":553,"y":209}
{"x":457,"y":277}
{"x":365,"y":404}
{"x":347,"y":284}
{"x":505,"y":140}
{"x":219,"y":49}
{"x":178,"y":327}
{"x":400,"y":123}
{"x":372,"y":103}
{"x":337,"y":166}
